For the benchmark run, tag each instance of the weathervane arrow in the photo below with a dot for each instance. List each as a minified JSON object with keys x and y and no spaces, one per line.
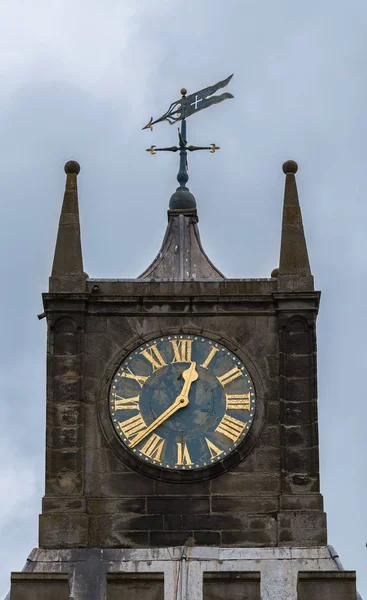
{"x":189,"y":105}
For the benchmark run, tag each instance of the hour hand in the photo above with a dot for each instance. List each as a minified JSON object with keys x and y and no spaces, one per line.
{"x":189,"y":375}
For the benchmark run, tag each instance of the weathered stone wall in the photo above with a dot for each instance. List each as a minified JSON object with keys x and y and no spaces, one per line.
{"x":266,"y":500}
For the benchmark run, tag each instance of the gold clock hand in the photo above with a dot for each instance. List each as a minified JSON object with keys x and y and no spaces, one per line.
{"x":189,"y":375}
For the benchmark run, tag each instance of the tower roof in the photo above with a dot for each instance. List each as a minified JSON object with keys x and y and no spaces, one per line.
{"x":182,"y":257}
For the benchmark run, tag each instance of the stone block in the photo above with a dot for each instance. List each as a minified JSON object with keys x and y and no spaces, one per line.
{"x":163,"y":488}
{"x":62,"y":438}
{"x":301,"y":502}
{"x":233,"y":484}
{"x":162,"y":539}
{"x":270,"y":437}
{"x":172,"y":522}
{"x":302,"y":528}
{"x":55,"y":504}
{"x":296,"y":413}
{"x":111,"y":531}
{"x":327,"y":585}
{"x":298,"y":365}
{"x":60,"y":530}
{"x":98,"y":506}
{"x":298,"y":435}
{"x":63,"y":460}
{"x":64,"y":368}
{"x":250,"y":538}
{"x":215,"y":521}
{"x":267,"y":459}
{"x":135,"y":586}
{"x":298,"y":460}
{"x":298,"y":390}
{"x":67,"y":388}
{"x":298,"y":342}
{"x":178,"y":505}
{"x":247,"y":465}
{"x":262,"y":522}
{"x":101,"y":346}
{"x":63,"y":414}
{"x":40,"y":586}
{"x":207,"y":538}
{"x":244,"y":504}
{"x":272,"y":410}
{"x":124,"y":484}
{"x":231,"y":585}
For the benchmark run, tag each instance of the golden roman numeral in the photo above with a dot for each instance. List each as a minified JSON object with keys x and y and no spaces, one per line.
{"x":238,"y":401}
{"x":126,"y":403}
{"x":132,"y":426}
{"x":209,"y":358}
{"x":154,"y":356}
{"x":182,"y":350}
{"x":230,"y":427}
{"x":183,"y":456}
{"x":153,"y":448}
{"x":213,"y":449}
{"x":229,"y":376}
{"x":140,"y":379}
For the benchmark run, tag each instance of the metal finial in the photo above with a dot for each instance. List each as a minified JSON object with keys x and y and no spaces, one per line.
{"x":179,"y":111}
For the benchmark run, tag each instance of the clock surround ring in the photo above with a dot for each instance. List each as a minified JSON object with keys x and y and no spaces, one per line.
{"x":155,"y":471}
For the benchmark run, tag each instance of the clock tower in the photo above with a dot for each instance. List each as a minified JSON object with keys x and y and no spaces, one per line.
{"x":182,"y":437}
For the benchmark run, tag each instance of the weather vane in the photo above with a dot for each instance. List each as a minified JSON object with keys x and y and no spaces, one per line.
{"x":179,"y":111}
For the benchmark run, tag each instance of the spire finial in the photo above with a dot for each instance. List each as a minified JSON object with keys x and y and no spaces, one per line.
{"x":294,"y":266}
{"x":72,"y":167}
{"x":67,"y":270}
{"x":290,"y":166}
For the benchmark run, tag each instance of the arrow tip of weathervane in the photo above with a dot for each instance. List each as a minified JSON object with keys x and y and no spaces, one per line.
{"x":148,"y":125}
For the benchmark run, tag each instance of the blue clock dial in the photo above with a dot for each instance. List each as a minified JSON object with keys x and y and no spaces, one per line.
{"x":182,"y":402}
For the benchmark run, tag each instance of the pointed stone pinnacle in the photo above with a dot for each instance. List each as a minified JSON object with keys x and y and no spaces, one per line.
{"x":67,"y":271}
{"x":294,"y":266}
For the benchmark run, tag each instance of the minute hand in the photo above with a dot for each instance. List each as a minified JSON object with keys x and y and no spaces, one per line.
{"x":182,"y":400}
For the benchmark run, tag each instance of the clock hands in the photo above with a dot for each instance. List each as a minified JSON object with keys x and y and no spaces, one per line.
{"x":189,"y":375}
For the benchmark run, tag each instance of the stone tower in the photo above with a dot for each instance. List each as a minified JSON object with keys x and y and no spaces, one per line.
{"x":247,"y":522}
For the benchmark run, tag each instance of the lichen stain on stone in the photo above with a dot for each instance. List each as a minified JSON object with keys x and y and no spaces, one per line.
{"x":66,"y":481}
{"x":69,"y":376}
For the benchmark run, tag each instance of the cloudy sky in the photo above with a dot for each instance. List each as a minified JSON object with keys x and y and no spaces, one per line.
{"x":79,"y":78}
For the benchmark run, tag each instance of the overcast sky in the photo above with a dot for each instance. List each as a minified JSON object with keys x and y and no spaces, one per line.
{"x":79,"y":78}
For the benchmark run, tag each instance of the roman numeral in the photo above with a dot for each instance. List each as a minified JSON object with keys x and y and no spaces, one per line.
{"x":132,"y":426}
{"x":181,"y":350}
{"x":210,"y":356}
{"x":154,"y":356}
{"x":126,"y":403}
{"x":140,"y":379}
{"x":183,"y":456}
{"x":229,"y":376}
{"x":153,"y":447}
{"x":213,"y":449}
{"x":230,"y":427}
{"x":238,"y":401}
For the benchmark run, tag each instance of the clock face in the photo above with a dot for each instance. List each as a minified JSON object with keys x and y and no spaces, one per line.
{"x":182,"y":402}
